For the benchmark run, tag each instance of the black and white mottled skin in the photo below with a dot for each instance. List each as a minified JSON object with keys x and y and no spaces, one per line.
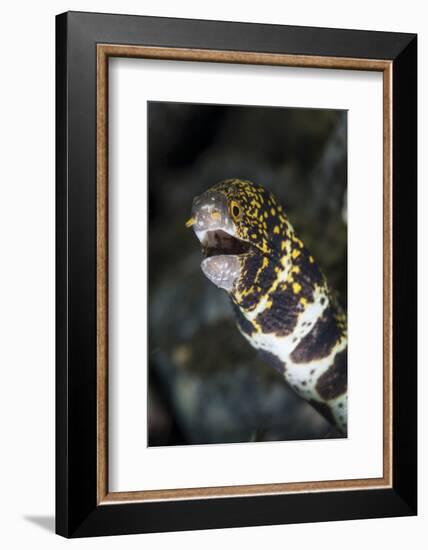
{"x":282,"y":302}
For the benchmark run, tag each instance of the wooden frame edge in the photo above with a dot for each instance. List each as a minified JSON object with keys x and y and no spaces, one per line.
{"x":102,"y":275}
{"x":387,"y":273}
{"x":241,"y":57}
{"x":103,"y":52}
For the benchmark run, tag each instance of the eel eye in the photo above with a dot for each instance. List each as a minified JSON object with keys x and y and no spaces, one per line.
{"x":235,"y":210}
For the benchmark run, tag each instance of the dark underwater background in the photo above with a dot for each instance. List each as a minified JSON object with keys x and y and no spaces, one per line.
{"x":206,"y":383}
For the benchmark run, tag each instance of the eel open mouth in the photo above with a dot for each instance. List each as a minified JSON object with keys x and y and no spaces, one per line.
{"x":223,"y":254}
{"x":222,"y":257}
{"x":219,"y":242}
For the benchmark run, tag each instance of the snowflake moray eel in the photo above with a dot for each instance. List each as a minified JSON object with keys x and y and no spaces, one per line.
{"x":281,"y":299}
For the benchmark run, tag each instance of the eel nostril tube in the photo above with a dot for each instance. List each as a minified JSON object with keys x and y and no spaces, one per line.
{"x":190,"y":222}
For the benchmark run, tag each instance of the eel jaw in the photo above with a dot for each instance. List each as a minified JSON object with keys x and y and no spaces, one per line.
{"x":222,"y":254}
{"x":222,"y":270}
{"x":222,"y":250}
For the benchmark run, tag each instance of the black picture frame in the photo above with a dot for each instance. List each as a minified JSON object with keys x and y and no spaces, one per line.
{"x":78,"y":513}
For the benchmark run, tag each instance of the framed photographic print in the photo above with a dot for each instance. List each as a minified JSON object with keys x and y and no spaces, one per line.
{"x":236,"y":274}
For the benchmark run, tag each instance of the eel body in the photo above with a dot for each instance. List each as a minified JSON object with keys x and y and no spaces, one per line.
{"x":281,"y":299}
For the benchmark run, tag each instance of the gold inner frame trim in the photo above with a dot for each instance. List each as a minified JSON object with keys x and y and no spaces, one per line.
{"x":104,"y":51}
